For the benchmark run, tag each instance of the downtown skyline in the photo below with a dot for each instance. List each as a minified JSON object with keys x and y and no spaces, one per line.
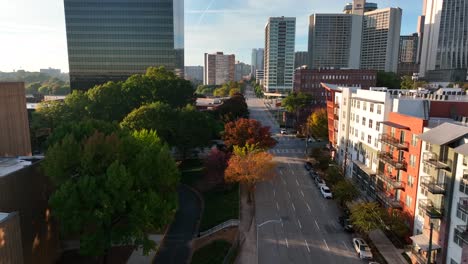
{"x":38,"y":40}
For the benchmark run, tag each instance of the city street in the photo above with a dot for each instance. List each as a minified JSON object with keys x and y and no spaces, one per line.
{"x":295,"y":223}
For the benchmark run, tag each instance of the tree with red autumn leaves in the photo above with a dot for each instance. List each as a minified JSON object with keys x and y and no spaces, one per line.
{"x":248,"y":131}
{"x":215,"y":164}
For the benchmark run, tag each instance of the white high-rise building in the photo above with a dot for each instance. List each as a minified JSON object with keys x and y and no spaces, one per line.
{"x":444,"y":45}
{"x":257,"y":60}
{"x":381,"y":39}
{"x":280,"y":34}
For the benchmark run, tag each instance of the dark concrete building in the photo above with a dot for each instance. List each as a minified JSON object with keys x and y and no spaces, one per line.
{"x":110,"y":40}
{"x":407,"y":55}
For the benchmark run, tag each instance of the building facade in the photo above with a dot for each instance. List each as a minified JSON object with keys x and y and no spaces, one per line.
{"x":380,"y":39}
{"x":280,"y":37}
{"x":194,"y":73}
{"x":242,"y":71}
{"x":14,"y":128}
{"x":309,"y":81}
{"x":301,"y":59}
{"x":408,"y":55}
{"x":51,"y":72}
{"x":257,"y":60}
{"x":112,"y":40}
{"x":335,"y":41}
{"x":445,"y":38}
{"x":219,"y":68}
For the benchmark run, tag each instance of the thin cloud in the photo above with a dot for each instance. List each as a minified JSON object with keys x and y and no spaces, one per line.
{"x":204,"y":12}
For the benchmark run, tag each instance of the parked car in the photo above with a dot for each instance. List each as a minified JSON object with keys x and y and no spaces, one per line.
{"x":283,"y":131}
{"x":308,"y":165}
{"x":346,"y":223}
{"x":320,"y":182}
{"x":361,"y":247}
{"x":326,"y":193}
{"x":313,"y":174}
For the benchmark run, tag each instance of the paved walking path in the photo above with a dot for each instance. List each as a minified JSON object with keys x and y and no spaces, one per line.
{"x":248,"y":241}
{"x":175,"y":247}
{"x":390,"y":253}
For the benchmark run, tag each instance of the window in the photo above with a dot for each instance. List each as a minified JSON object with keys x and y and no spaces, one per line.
{"x":392,"y":132}
{"x":452,"y":261}
{"x":456,"y":237}
{"x":371,"y":108}
{"x":363,"y":121}
{"x":364,"y":106}
{"x":369,"y":139}
{"x":414,"y":140}
{"x":343,"y":127}
{"x":376,"y":143}
{"x":377,"y":126}
{"x":408,"y":201}
{"x":412,"y":160}
{"x":344,"y":114}
{"x":344,"y":100}
{"x":358,"y":104}
{"x":461,"y":215}
{"x":410,"y":181}
{"x":428,"y":146}
{"x":370,"y":123}
{"x":357,"y":118}
{"x":463,"y":187}
{"x":362,"y":136}
{"x":356,"y":133}
{"x":465,"y":160}
{"x":379,"y":109}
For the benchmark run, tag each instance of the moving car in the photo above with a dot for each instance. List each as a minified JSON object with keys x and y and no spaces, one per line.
{"x":326,"y":193}
{"x":362,"y":248}
{"x":283,"y":131}
{"x":308,"y":165}
{"x":320,"y":182}
{"x":346,"y":223}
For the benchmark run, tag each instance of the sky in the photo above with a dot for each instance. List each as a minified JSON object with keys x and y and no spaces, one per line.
{"x":32,"y":32}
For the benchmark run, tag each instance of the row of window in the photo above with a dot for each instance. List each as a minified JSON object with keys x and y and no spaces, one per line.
{"x":357,"y":104}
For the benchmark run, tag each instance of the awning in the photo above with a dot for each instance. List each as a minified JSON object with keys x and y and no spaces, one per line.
{"x":395,"y":125}
{"x":422,"y":241}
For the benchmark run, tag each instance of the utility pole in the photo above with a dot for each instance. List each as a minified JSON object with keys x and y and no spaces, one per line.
{"x":430,"y":244}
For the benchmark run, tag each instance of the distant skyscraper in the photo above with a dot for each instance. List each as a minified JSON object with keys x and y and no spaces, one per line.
{"x":444,"y":44}
{"x":335,"y":41}
{"x":257,"y":60}
{"x":356,"y":7}
{"x":381,"y":39}
{"x":407,"y":56}
{"x":301,"y":59}
{"x":280,"y":34}
{"x":242,"y":71}
{"x":194,"y":73}
{"x":219,"y":68}
{"x":113,"y":39}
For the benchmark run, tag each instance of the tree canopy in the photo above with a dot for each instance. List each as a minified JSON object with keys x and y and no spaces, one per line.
{"x":295,"y":101}
{"x":113,"y":188}
{"x":317,"y":123}
{"x":388,"y":79}
{"x":367,"y":216}
{"x":408,"y":83}
{"x":233,"y":109}
{"x":248,"y":131}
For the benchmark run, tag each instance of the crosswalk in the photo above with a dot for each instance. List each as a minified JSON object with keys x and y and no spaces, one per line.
{"x":286,"y":151}
{"x":285,"y":138}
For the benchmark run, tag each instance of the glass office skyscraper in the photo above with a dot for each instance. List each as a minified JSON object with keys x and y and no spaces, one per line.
{"x":109,"y":40}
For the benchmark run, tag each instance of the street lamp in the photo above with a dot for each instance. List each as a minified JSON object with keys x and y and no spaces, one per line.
{"x":264,"y":223}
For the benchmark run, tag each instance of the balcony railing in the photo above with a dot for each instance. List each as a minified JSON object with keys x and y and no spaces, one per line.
{"x":388,"y":158}
{"x":463,"y":205}
{"x":433,"y":186}
{"x":465,"y":176}
{"x":388,"y":139}
{"x":431,"y":210}
{"x":462,"y":233}
{"x":392,"y":181}
{"x":388,"y":201}
{"x":432,"y":159}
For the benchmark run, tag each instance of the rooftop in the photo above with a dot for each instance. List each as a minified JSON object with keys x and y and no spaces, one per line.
{"x":10,"y":165}
{"x":3,"y":216}
{"x":463,"y":149}
{"x":445,"y":133}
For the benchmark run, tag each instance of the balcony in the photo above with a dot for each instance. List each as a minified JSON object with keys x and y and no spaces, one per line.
{"x":336,"y":105}
{"x":388,"y":201}
{"x":461,"y":232}
{"x":433,"y":186}
{"x":465,"y":176}
{"x":392,"y":181}
{"x":463,"y":205}
{"x":432,"y":159}
{"x":431,"y":210}
{"x":388,"y":139}
{"x":388,"y":158}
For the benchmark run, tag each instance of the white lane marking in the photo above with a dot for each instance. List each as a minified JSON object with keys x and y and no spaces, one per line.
{"x":282,"y":225}
{"x":299,"y":222}
{"x":302,"y":193}
{"x":287,"y":244}
{"x":346,"y":246}
{"x":274,"y":193}
{"x":308,"y":207}
{"x":292,"y":172}
{"x":326,"y":244}
{"x":283,"y":181}
{"x":281,"y":172}
{"x":294,"y":208}
{"x":307,"y":245}
{"x":277,"y":206}
{"x":317,"y":224}
{"x":297,"y":182}
{"x":289,"y":194}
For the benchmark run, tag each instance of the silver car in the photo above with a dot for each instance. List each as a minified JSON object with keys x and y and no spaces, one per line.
{"x":363,"y":250}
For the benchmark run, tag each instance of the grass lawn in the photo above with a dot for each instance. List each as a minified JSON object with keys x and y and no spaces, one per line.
{"x":191,"y":171}
{"x":213,"y":253}
{"x":220,"y":205}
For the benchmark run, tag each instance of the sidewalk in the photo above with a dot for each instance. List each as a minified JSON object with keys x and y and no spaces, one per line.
{"x":390,"y":253}
{"x":248,"y":247}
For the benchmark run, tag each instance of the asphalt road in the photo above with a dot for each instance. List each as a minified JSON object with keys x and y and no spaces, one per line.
{"x":296,"y":224}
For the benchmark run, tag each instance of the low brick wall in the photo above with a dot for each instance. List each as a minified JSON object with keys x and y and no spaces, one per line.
{"x":228,"y":234}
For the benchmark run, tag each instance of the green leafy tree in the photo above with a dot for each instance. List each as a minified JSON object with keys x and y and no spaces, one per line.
{"x":345,"y":191}
{"x":397,"y":222}
{"x":317,"y":123}
{"x":221,"y":92}
{"x":388,"y":79}
{"x":112,"y":189}
{"x":233,"y":109}
{"x":234,"y":91}
{"x":33,"y":88}
{"x":367,"y":216}
{"x":107,"y":102}
{"x":294,"y":102}
{"x":407,"y":82}
{"x":333,"y":175}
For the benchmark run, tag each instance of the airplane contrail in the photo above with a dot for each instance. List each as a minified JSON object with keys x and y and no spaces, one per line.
{"x":204,"y":12}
